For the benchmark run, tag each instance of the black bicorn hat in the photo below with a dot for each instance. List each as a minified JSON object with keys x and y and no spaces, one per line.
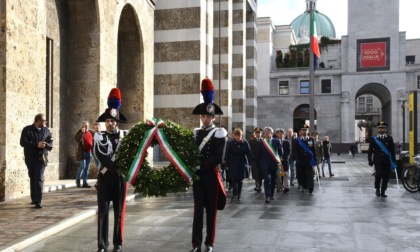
{"x":112,"y":112}
{"x":258,"y":129}
{"x":207,"y":107}
{"x":305,"y":127}
{"x":381,"y":124}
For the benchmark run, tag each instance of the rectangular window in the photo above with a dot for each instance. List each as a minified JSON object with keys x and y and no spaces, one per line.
{"x":304,"y":87}
{"x":326,"y":86}
{"x":283,"y":87}
{"x":49,"y":82}
{"x":410,"y":59}
{"x":369,"y":104}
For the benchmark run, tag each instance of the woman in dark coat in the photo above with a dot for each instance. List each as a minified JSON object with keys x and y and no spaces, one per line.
{"x":238,"y":156}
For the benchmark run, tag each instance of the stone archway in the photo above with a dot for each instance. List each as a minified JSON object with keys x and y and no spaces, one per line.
{"x":300,"y":115}
{"x":375,"y":109}
{"x":130,"y":66}
{"x":79,"y":94}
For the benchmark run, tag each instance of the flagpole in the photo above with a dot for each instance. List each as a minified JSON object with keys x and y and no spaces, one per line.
{"x":311,"y":73}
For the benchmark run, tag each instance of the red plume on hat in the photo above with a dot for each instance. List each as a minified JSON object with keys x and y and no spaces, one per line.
{"x":207,"y":107}
{"x":114,"y":99}
{"x":114,"y":104}
{"x":207,"y":90}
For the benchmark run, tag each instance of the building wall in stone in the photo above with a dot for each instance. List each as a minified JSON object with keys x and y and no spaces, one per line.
{"x":367,"y":22}
{"x":251,"y":73}
{"x":238,"y":64}
{"x":222,"y":60}
{"x":84,"y":36}
{"x":3,"y":35}
{"x":181,"y":58}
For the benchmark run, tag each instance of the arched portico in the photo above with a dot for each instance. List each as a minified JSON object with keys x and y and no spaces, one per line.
{"x":300,"y":116}
{"x":130,"y":65}
{"x":375,"y":112}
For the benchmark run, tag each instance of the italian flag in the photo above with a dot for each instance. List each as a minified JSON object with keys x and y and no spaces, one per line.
{"x":314,"y":40}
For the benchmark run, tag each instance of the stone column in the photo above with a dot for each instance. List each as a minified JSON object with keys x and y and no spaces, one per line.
{"x":181,"y":58}
{"x":239,"y":64}
{"x":345,"y":117}
{"x":222,"y":59}
{"x":251,"y":68}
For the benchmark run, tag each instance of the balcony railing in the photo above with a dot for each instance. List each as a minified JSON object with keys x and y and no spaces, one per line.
{"x":367,"y":110}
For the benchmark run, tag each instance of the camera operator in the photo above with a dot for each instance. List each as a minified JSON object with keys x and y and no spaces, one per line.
{"x":36,"y":140}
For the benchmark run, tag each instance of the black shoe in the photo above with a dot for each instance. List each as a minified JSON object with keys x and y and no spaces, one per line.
{"x":259,"y":189}
{"x":209,"y":248}
{"x":291,"y":184}
{"x":271,"y":198}
{"x":310,"y":191}
{"x":117,"y":248}
{"x":267,"y":200}
{"x":78,"y":183}
{"x":196,"y":249}
{"x":285,"y":190}
{"x":38,"y":205}
{"x":238,"y":198}
{"x":86,"y":186}
{"x":383,"y":195}
{"x":256,"y":189}
{"x":33,"y":203}
{"x":233,"y":198}
{"x":331,"y":175}
{"x":377,"y":193}
{"x":102,"y":250}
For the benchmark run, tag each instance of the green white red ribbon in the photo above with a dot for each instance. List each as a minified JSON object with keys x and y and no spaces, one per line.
{"x":273,"y":153}
{"x":156,"y":132}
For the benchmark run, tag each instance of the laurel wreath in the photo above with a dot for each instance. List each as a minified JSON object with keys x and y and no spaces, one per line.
{"x":158,"y":181}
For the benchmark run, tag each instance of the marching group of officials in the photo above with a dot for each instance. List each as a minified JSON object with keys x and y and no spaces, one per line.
{"x":270,"y":158}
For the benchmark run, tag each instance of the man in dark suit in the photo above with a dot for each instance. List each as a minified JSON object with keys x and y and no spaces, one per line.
{"x":304,"y":154}
{"x":269,"y":155}
{"x":36,"y":140}
{"x":283,"y":181}
{"x":381,"y":153}
{"x":257,"y":174}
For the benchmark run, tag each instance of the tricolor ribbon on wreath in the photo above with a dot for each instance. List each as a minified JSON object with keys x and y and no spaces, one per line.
{"x":156,"y":132}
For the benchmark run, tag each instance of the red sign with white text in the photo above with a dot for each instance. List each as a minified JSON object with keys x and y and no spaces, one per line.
{"x":373,"y":54}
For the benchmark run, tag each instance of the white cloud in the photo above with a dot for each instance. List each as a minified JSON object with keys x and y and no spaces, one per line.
{"x":284,"y":11}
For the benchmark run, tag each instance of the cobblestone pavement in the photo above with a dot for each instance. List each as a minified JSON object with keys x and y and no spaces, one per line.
{"x":343,"y":214}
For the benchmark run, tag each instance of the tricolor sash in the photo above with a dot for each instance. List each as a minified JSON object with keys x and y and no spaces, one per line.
{"x":386,"y":151}
{"x":273,"y":153}
{"x":306,"y":148}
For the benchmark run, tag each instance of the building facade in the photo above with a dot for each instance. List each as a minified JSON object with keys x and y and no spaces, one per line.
{"x":198,"y":39}
{"x":62,"y":58}
{"x":374,"y":63}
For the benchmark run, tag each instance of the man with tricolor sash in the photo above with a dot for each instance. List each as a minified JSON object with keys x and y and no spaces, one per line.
{"x":305,"y":157}
{"x":208,"y":190}
{"x":381,"y":153}
{"x":111,"y":186}
{"x":269,"y":154}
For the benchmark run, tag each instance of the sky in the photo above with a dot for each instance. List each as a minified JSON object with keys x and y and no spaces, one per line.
{"x":293,"y":8}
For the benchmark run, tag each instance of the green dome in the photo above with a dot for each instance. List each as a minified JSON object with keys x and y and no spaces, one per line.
{"x":324,"y":26}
